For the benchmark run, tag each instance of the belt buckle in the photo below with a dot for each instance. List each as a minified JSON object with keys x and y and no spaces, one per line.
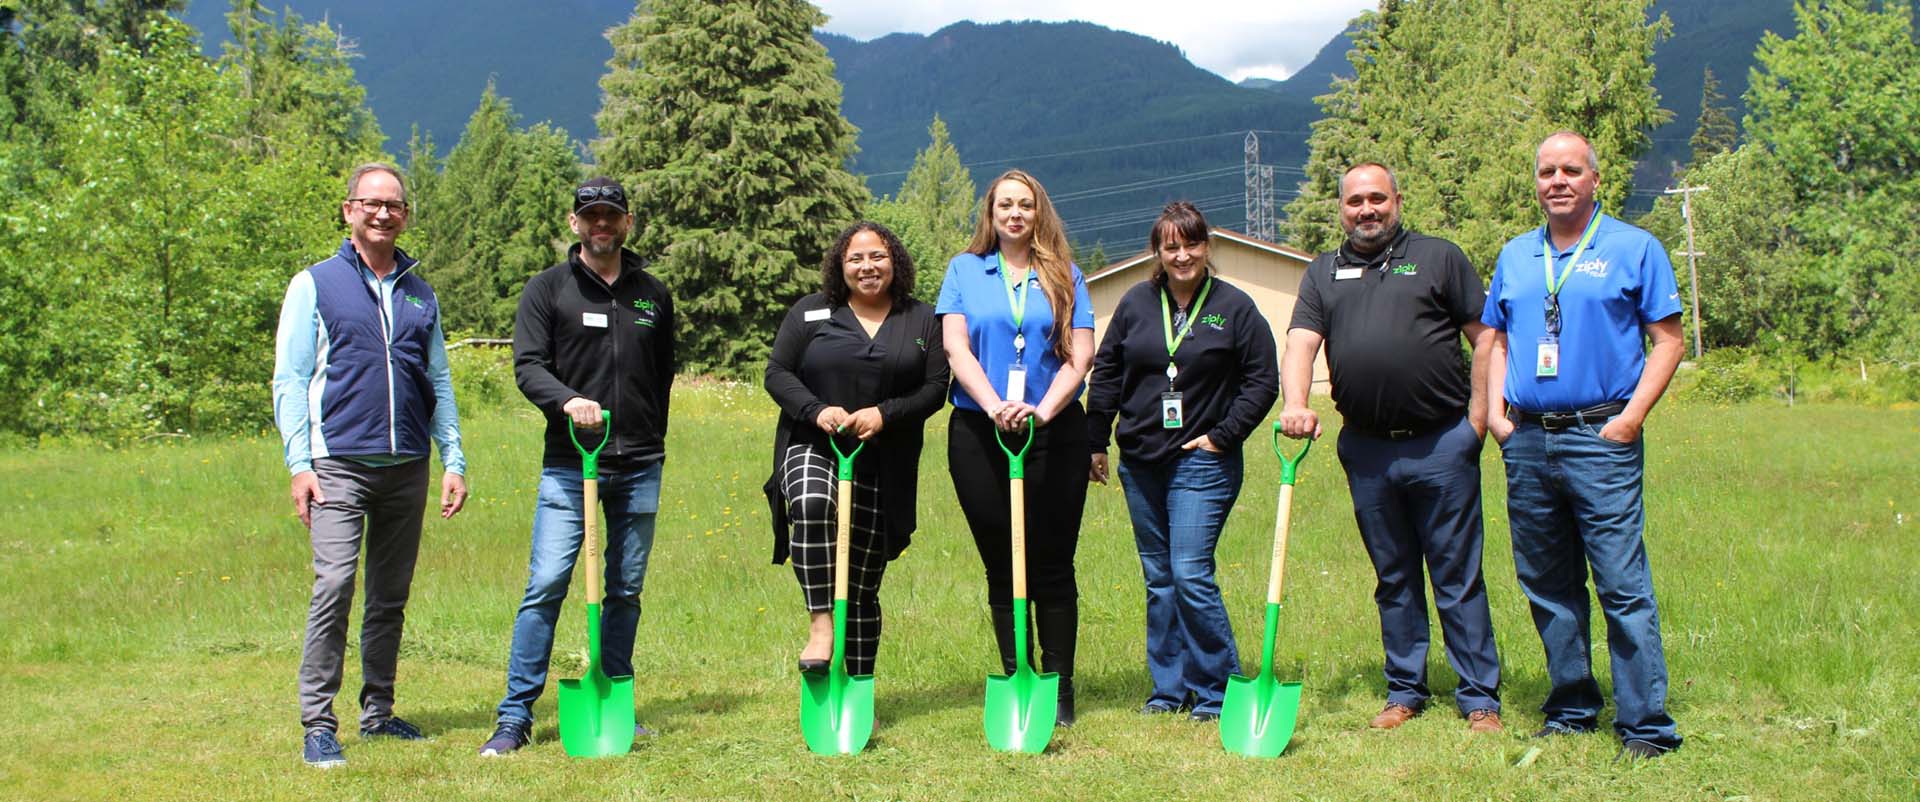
{"x":1400,"y":434}
{"x":1558,"y":421}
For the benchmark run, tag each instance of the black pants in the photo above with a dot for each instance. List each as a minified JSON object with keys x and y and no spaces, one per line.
{"x":1056,"y":493}
{"x":812,"y":493}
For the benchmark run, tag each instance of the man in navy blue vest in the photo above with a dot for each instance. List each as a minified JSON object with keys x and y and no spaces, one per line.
{"x":360,"y":389}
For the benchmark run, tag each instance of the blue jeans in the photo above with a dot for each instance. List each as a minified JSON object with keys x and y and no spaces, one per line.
{"x":1574,"y":502}
{"x":1178,"y":509}
{"x":631,"y":500}
{"x":1417,"y":502}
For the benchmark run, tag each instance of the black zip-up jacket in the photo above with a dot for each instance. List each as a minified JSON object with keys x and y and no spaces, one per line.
{"x":1229,"y":374}
{"x":574,"y":336}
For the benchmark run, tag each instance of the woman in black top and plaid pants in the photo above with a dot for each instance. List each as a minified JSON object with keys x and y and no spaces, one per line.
{"x":861,"y":359}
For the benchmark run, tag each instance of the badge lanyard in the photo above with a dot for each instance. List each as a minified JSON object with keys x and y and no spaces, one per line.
{"x":1547,"y":357}
{"x":1016,"y":303}
{"x":1546,"y":260}
{"x":1166,"y":325}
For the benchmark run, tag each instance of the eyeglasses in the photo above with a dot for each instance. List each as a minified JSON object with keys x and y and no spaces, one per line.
{"x":397,"y":208}
{"x":586,"y":195}
{"x":1553,"y":314}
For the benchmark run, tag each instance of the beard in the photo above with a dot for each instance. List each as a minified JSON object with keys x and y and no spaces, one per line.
{"x":612,"y":247}
{"x":1381,"y":236}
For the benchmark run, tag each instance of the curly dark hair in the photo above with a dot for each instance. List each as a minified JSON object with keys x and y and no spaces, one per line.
{"x":833,"y":279}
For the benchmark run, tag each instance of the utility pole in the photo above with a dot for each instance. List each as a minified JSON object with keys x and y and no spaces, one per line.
{"x":1693,"y":271}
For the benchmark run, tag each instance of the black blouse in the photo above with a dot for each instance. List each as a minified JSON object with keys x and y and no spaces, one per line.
{"x":823,"y":357}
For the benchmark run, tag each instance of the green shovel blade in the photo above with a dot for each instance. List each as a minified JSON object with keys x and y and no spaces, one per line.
{"x":1258,"y":715}
{"x":836,"y":708}
{"x":1021,"y":708}
{"x":596,"y":711}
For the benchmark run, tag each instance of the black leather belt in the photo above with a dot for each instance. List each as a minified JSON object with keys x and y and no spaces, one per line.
{"x":1407,"y":432}
{"x":1561,"y":421}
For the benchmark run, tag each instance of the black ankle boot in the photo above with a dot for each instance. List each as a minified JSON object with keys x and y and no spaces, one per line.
{"x":1059,"y":630}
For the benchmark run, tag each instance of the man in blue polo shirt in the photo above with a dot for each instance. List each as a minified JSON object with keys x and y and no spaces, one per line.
{"x":361,"y":392}
{"x":1569,"y":304}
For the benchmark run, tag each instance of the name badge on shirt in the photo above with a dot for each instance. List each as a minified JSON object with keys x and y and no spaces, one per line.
{"x":1348,"y":272}
{"x":593,"y":320}
{"x":1548,"y":363}
{"x":1172,"y":415}
{"x":1017,"y":384}
{"x":815,"y":314}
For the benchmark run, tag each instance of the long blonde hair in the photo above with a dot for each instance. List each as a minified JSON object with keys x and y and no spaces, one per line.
{"x":1051,"y":258}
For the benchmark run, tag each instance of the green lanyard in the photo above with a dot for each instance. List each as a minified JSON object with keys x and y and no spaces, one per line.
{"x":1193,"y":315}
{"x":1016,"y":301}
{"x":1546,"y":255}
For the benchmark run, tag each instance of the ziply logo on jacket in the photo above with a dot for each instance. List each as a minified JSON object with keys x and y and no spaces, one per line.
{"x":1407,"y":269}
{"x":647,"y":308}
{"x":415,"y":300}
{"x":1216,"y":320}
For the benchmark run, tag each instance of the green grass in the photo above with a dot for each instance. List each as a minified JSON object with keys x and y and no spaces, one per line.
{"x":153,"y":600}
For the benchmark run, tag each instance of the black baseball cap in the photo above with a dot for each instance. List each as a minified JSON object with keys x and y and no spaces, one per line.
{"x":600,"y":191}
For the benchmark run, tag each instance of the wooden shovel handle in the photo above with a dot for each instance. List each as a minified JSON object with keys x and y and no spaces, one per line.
{"x":590,"y":545}
{"x":1282,"y":520}
{"x":1017,"y":489}
{"x":842,"y":547}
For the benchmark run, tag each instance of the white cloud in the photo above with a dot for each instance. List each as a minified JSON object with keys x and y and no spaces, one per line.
{"x":1235,"y":39}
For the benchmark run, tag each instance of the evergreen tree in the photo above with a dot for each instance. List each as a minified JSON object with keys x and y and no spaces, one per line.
{"x":938,"y":192}
{"x":495,"y":216}
{"x":1454,"y":95}
{"x":723,"y":120}
{"x":298,"y":85}
{"x":1715,"y":132}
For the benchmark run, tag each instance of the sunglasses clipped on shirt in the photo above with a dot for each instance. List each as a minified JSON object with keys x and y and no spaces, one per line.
{"x":586,"y":195}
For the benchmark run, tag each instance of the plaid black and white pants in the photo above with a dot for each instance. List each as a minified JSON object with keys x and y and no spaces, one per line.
{"x":808,"y":483}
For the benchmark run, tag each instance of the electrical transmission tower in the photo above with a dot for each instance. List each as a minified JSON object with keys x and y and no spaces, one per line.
{"x":1260,"y":220}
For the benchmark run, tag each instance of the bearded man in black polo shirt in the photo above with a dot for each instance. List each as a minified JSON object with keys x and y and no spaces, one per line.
{"x":1390,"y":306}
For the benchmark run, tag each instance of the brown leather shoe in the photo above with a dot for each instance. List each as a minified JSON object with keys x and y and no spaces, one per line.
{"x":1484,"y":721}
{"x":1393,"y":715}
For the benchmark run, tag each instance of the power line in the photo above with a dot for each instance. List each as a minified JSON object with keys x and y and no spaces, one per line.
{"x":1147,"y":183}
{"x":1082,"y":151}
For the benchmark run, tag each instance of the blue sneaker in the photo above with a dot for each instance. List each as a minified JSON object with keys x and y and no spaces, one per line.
{"x":323,"y":750}
{"x":507,"y":738}
{"x":393,"y":727}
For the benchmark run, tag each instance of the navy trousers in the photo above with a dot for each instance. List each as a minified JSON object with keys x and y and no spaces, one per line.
{"x":1417,"y":502}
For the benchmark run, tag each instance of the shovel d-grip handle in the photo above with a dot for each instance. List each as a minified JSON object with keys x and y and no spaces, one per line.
{"x":1289,"y":467}
{"x":844,"y":459}
{"x":1016,"y":461}
{"x":590,"y":460}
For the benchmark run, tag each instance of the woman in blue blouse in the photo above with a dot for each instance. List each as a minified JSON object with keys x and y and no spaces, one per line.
{"x":1018,"y":329}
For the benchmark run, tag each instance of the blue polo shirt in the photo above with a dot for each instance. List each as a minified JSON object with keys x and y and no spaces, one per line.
{"x":1623,"y":282}
{"x":973,"y":287}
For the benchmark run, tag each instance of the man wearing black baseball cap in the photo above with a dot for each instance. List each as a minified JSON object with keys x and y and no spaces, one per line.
{"x":593,"y":333}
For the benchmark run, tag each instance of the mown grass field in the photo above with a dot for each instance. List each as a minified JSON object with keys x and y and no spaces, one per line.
{"x":152,"y":600}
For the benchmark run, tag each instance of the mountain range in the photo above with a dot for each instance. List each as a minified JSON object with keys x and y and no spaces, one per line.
{"x":1114,"y":123}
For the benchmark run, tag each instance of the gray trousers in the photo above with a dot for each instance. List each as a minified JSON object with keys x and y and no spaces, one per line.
{"x":379,"y":509}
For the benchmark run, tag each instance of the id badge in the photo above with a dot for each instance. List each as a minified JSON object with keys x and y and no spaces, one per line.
{"x":1017,"y":384}
{"x":593,"y":320}
{"x":1547,"y":364}
{"x":1172,"y":415}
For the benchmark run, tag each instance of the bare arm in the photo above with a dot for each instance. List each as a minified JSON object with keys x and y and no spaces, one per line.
{"x":1298,"y":420}
{"x":1662,"y":360}
{"x":1493,"y":402}
{"x":1066,"y":383}
{"x":964,"y":365}
{"x":1480,"y":336}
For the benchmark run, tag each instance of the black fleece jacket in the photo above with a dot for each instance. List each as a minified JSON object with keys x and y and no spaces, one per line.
{"x":575,"y":336}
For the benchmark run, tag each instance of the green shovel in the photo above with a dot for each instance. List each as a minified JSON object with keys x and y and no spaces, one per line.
{"x":1020,"y":708}
{"x":1258,"y":715}
{"x":596,"y":711}
{"x":836,"y":709}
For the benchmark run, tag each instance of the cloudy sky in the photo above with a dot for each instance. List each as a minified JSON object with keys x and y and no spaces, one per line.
{"x":1235,"y":38}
